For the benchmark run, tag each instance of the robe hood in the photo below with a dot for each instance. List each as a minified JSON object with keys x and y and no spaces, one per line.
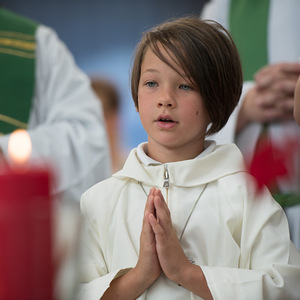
{"x":222,"y":161}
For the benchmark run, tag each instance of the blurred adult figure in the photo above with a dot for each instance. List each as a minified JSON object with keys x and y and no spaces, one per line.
{"x":110,"y":98}
{"x":42,"y":90}
{"x":267,"y":35}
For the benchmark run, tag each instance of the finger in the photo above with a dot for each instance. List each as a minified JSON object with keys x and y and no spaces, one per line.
{"x":288,"y":87}
{"x":275,"y":114}
{"x":147,"y":238}
{"x":149,"y":209}
{"x":162,"y":213}
{"x":290,"y":68}
{"x":157,"y":228}
{"x":280,"y":92}
{"x":286,"y":67}
{"x":158,"y":193}
{"x":269,"y":75}
{"x":284,"y":87}
{"x":146,"y":226}
{"x":151,"y":193}
{"x":266,"y":75}
{"x":287,"y":107}
{"x":266,"y":100}
{"x":149,"y":204}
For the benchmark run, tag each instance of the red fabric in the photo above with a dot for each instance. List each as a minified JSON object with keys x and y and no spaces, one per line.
{"x":270,"y":162}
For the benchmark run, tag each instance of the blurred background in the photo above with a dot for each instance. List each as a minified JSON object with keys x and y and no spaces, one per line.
{"x":102,"y":36}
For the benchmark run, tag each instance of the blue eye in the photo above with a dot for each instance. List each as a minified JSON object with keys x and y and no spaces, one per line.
{"x":185,"y":87}
{"x":151,"y":84}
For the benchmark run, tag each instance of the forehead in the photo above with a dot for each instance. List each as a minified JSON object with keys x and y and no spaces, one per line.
{"x":149,"y":58}
{"x":160,"y":54}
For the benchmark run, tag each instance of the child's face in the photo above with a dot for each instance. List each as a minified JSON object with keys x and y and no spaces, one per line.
{"x":172,"y":112}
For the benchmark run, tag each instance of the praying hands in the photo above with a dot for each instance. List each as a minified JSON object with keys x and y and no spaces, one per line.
{"x":169,"y":253}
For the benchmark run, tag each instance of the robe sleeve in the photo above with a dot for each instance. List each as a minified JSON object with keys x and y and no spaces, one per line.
{"x":269,"y":265}
{"x":94,"y":278}
{"x":66,"y":123}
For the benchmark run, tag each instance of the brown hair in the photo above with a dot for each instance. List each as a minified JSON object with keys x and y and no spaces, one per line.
{"x":207,"y":54}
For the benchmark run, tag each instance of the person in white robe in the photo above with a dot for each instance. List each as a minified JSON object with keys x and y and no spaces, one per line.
{"x":268,"y":96}
{"x":184,"y":219}
{"x":66,"y":123}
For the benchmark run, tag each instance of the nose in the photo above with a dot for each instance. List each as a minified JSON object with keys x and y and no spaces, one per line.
{"x":166,"y":98}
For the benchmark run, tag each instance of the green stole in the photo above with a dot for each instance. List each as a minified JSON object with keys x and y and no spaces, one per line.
{"x":17,"y":71}
{"x":248,"y":24}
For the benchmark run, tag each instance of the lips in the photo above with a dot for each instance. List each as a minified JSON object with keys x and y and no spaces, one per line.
{"x":166,"y":122}
{"x":165,"y":119}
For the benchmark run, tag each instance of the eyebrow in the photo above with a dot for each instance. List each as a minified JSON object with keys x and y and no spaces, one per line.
{"x":156,"y":71}
{"x":150,"y":70}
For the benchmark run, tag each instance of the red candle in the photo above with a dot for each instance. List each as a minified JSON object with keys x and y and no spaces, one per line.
{"x":26,"y":270}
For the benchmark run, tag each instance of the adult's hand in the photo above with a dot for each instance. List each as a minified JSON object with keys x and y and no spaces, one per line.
{"x":272,"y":97}
{"x":297,"y":102}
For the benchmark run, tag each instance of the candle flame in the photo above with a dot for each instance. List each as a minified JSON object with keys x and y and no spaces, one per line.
{"x":19,"y":147}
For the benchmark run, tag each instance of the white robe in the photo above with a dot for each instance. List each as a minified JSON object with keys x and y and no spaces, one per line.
{"x":283,"y":46}
{"x":66,"y":123}
{"x":239,"y":238}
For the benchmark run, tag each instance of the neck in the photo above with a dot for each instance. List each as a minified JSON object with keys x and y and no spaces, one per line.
{"x":165,"y":154}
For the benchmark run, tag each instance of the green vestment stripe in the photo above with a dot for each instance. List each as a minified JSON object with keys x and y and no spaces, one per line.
{"x":287,"y":200}
{"x":17,"y":70}
{"x":248,"y":24}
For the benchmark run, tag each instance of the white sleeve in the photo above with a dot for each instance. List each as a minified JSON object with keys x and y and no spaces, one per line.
{"x":94,"y":277}
{"x":66,"y":123}
{"x":269,"y":264}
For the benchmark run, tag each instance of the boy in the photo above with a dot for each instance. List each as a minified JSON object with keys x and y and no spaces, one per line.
{"x":182,"y":219}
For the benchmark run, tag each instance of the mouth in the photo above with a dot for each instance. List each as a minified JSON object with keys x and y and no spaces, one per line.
{"x":165,"y":120}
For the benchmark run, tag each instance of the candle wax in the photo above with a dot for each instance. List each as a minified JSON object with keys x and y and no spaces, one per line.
{"x":25,"y":234}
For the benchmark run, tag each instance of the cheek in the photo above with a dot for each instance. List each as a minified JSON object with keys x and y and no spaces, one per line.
{"x":144,"y":101}
{"x":143,"y":109}
{"x":201,"y":112}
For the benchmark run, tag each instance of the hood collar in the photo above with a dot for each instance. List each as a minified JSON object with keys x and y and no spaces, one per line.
{"x":222,"y":160}
{"x":142,"y":149}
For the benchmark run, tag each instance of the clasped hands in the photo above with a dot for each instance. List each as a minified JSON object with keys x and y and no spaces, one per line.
{"x":160,"y":249}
